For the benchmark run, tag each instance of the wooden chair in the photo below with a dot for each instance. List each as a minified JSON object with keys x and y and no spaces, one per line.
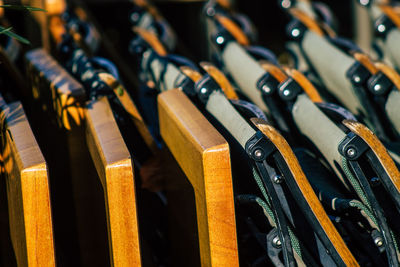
{"x":203,"y":155}
{"x":114,"y":166}
{"x":27,"y":190}
{"x":65,"y":98}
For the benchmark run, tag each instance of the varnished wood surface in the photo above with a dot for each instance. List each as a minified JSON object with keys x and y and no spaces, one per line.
{"x":130,"y":108}
{"x":191,"y":73}
{"x":366,"y":62}
{"x":221,"y":79}
{"x":27,"y":190}
{"x":114,"y":166}
{"x":307,"y":191}
{"x":58,"y":90}
{"x":309,"y":22}
{"x":379,"y":150}
{"x":307,"y":86}
{"x":392,"y":14}
{"x":203,"y":155}
{"x":151,"y":39}
{"x":233,"y":29}
{"x":274,"y":70}
{"x":391,"y":73}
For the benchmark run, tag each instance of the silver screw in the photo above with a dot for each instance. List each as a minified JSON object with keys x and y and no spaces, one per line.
{"x":277,"y":179}
{"x":211,"y":12}
{"x":357,"y":79}
{"x":220,"y":40}
{"x":377,"y":87}
{"x":203,"y":90}
{"x":351,"y":152}
{"x":266,"y":88}
{"x":286,"y":3}
{"x":378,"y":241}
{"x":381,"y":28}
{"x":286,"y":92}
{"x":276,"y":242}
{"x":295,"y":32}
{"x":258,"y":153}
{"x":364,"y":2}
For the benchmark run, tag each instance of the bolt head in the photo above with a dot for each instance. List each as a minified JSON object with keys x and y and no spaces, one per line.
{"x":258,"y":153}
{"x":377,"y":87}
{"x":220,"y":40}
{"x":278,"y":179}
{"x":378,"y":241}
{"x":351,"y":152}
{"x":295,"y":32}
{"x":357,"y":79}
{"x":276,"y":242}
{"x":364,"y":2}
{"x":381,"y":28}
{"x":266,"y":89}
{"x":286,"y":92}
{"x":203,"y":90}
{"x":286,"y":4}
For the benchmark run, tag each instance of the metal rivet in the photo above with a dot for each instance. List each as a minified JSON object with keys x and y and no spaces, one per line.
{"x":295,"y":32}
{"x":351,"y":152}
{"x":276,"y":242}
{"x":134,"y":17}
{"x":364,"y":2}
{"x":220,"y":40}
{"x":378,"y":241}
{"x":210,"y":12}
{"x":381,"y":28}
{"x":286,"y":92}
{"x":377,"y":87}
{"x":258,"y":153}
{"x":266,"y":88}
{"x":203,"y":90}
{"x":357,"y":79}
{"x":286,"y":3}
{"x":277,"y":179}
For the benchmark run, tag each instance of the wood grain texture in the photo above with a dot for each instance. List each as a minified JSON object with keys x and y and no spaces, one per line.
{"x":379,"y":150}
{"x":391,"y":13}
{"x":58,"y":91}
{"x":307,"y":191}
{"x":191,"y":73}
{"x":130,"y":107}
{"x":366,"y":61}
{"x":203,"y":155}
{"x":307,"y":86}
{"x":27,"y":191}
{"x":151,"y":39}
{"x":309,"y":22}
{"x":114,"y":166}
{"x":221,"y":79}
{"x":233,"y":29}
{"x":391,"y":73}
{"x":274,"y":70}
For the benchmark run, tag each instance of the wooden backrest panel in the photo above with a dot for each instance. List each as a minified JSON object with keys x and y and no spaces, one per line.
{"x":114,"y":166}
{"x":203,"y":155}
{"x":27,"y":190}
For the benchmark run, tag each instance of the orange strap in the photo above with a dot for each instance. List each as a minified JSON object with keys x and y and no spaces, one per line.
{"x":191,"y":73}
